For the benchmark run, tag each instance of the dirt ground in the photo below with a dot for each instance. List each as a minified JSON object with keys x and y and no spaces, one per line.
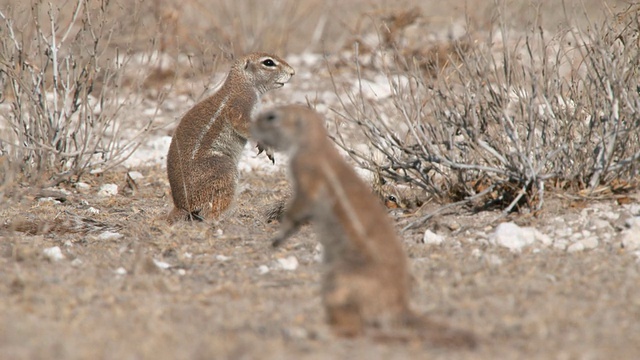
{"x":108,"y":299}
{"x":126,"y":285}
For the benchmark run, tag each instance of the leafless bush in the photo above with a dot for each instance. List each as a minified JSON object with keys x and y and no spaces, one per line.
{"x":510,"y":114}
{"x":62,"y":98}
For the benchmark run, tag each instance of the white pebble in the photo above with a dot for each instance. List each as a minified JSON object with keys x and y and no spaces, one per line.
{"x":161,"y":264}
{"x":560,"y":244}
{"x":135,"y":175}
{"x":633,"y":222}
{"x":318,"y":255}
{"x":82,"y":186}
{"x":53,"y":253}
{"x":48,"y":200}
{"x":109,"y":235}
{"x":182,"y":272}
{"x":633,"y":208}
{"x":60,"y":190}
{"x":600,"y":224}
{"x":575,"y":247}
{"x":93,"y":210}
{"x":590,"y":243}
{"x":288,"y":263}
{"x":563,"y":232}
{"x":431,"y":238}
{"x":515,"y":238}
{"x":108,"y":190}
{"x":222,"y":258}
{"x":121,"y":271}
{"x":575,"y":237}
{"x":76,"y":262}
{"x":263,"y":269}
{"x":631,"y":238}
{"x":188,"y":255}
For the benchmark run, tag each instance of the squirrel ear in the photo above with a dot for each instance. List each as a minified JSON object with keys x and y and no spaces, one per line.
{"x":246,"y":64}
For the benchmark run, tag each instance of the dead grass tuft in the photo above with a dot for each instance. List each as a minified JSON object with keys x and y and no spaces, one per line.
{"x":512,"y":113}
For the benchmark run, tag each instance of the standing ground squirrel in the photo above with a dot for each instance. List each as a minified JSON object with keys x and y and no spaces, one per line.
{"x":367,"y":282}
{"x":202,"y":164}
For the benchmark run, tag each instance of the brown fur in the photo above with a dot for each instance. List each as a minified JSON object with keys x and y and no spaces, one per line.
{"x":205,"y":149}
{"x":367,"y":283}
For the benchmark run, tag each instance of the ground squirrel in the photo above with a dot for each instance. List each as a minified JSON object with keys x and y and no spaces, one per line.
{"x":202,"y":164}
{"x":366,"y":284}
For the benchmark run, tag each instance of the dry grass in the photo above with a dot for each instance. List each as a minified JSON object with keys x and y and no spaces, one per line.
{"x":493,"y":116}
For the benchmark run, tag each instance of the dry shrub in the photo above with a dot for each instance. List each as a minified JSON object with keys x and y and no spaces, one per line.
{"x":509,"y":114}
{"x":67,"y":90}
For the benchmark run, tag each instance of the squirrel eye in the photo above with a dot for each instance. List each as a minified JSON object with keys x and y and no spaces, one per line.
{"x":270,"y":117}
{"x":268,"y":62}
{"x":392,"y":198}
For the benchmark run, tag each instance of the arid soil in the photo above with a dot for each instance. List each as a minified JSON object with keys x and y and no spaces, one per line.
{"x":198,"y":290}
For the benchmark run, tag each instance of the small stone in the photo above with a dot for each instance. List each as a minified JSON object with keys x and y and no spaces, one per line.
{"x":590,"y":243}
{"x":93,"y":210}
{"x":544,"y":239}
{"x":512,"y":236}
{"x":182,"y":272}
{"x":631,"y":239}
{"x":135,"y":175}
{"x":82,"y":186}
{"x":263,"y":269}
{"x":49,"y":200}
{"x":318,"y":255}
{"x":108,"y":190}
{"x":59,"y":190}
{"x":289,"y":263}
{"x":53,"y":253}
{"x":161,"y":264}
{"x":633,"y":208}
{"x":109,"y":235}
{"x":121,"y":271}
{"x":632,"y":222}
{"x":222,"y":257}
{"x":560,"y":244}
{"x":563,"y":232}
{"x":575,"y":247}
{"x":431,"y":238}
{"x":597,"y":224}
{"x":575,"y":237}
{"x":76,"y":262}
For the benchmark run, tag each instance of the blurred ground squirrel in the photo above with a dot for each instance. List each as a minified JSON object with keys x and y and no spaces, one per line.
{"x":366,"y":284}
{"x":398,"y":196}
{"x":202,"y":164}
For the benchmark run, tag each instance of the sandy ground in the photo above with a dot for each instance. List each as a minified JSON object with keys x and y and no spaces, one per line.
{"x":219,"y":291}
